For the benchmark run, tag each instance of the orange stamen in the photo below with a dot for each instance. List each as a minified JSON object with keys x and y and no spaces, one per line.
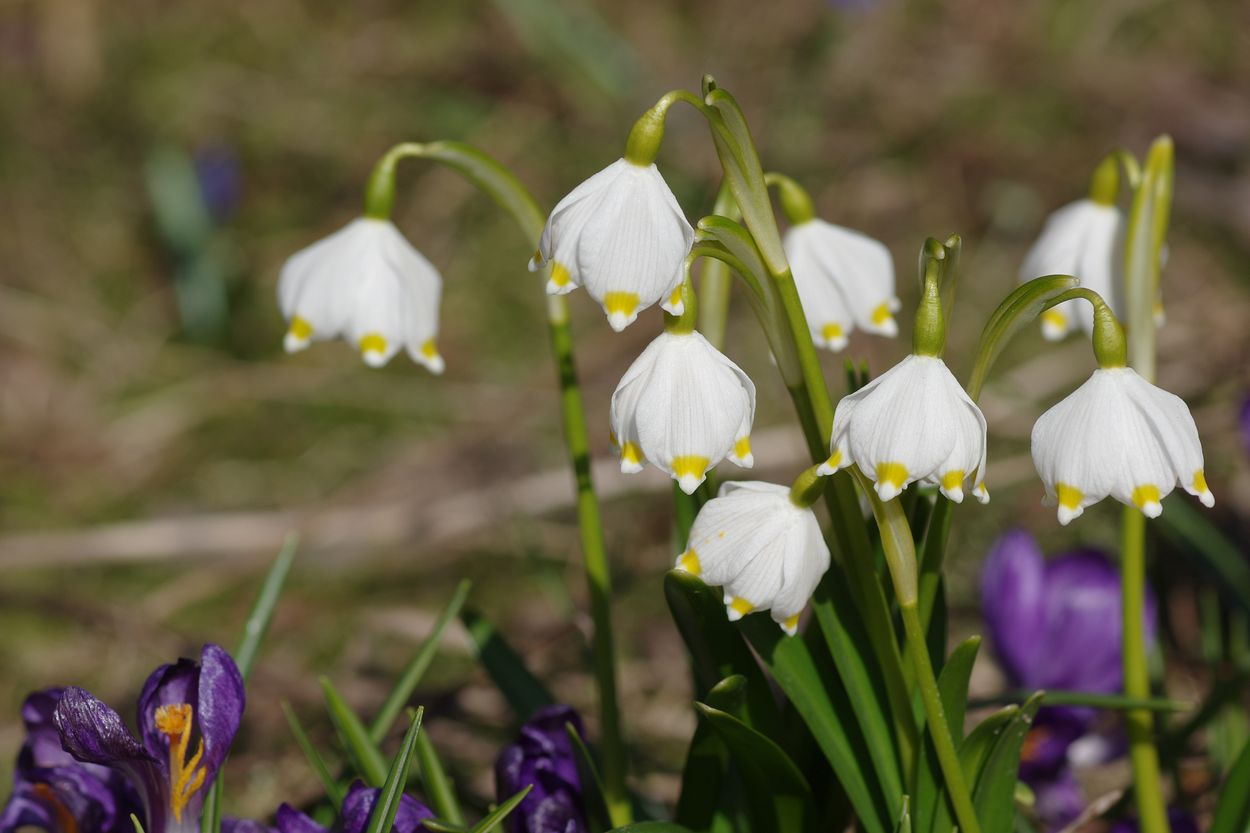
{"x":185,"y":776}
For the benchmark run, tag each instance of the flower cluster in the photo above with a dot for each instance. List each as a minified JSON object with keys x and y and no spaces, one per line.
{"x":543,"y":756}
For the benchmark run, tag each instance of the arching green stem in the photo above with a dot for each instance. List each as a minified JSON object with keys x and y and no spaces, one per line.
{"x":497,"y":181}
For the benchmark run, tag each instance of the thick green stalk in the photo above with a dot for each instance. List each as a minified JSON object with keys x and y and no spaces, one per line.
{"x":714,"y":281}
{"x":497,"y":181}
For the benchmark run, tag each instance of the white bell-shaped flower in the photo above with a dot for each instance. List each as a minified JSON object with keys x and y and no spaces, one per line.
{"x":845,"y":281}
{"x":913,"y":422}
{"x":1084,"y":239}
{"x":765,"y":551}
{"x":683,"y":406}
{"x":367,"y":284}
{"x":1118,"y":435}
{"x":622,"y":235}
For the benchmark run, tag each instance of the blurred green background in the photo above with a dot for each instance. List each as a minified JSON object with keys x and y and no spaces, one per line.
{"x":156,"y":445}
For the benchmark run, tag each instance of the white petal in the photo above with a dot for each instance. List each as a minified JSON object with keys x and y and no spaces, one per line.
{"x":824,"y":307}
{"x":859,"y":267}
{"x":1083,"y":239}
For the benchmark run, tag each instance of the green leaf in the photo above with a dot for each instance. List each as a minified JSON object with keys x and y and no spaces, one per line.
{"x":653,"y":827}
{"x":778,"y":796}
{"x":496,"y":816}
{"x":904,"y":818}
{"x":717,"y":649}
{"x":1232,"y":813}
{"x":411,"y":676}
{"x":369,"y":763}
{"x":333,"y":790}
{"x":996,"y":786}
{"x":382,"y":816}
{"x":860,"y":675}
{"x":707,"y":759}
{"x":523,"y":691}
{"x":834,"y":729}
{"x":254,"y":631}
{"x":1017,"y":310}
{"x":975,"y":749}
{"x":592,"y":783}
{"x":932,"y":812}
{"x":1110,"y":702}
{"x":438,"y":787}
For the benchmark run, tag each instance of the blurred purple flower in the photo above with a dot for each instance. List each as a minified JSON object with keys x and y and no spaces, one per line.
{"x":1244,"y":421}
{"x":543,"y":755}
{"x":1056,"y":625}
{"x":354,"y":816}
{"x":54,"y":792}
{"x":1178,"y":820}
{"x":217,"y":169}
{"x":200,"y":701}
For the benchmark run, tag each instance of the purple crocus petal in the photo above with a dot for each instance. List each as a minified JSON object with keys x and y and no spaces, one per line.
{"x":1082,"y":625}
{"x":1012,"y":582}
{"x":230,"y":824}
{"x":1244,"y":422}
{"x":94,"y":734}
{"x":543,"y":756}
{"x":290,"y":820}
{"x":26,"y":808}
{"x":1178,"y":820}
{"x":1045,"y":751}
{"x":213,"y":688}
{"x":359,"y":801}
{"x":1059,"y":801}
{"x":42,"y":747}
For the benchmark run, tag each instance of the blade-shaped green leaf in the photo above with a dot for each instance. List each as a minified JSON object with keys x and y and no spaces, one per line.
{"x":1232,"y":814}
{"x":333,"y":790}
{"x":382,"y":816}
{"x":717,"y":649}
{"x":495,"y":817}
{"x":523,"y":691}
{"x":366,"y":758}
{"x":904,"y":818}
{"x":996,"y":785}
{"x":707,"y":759}
{"x":975,"y":749}
{"x":1017,"y":310}
{"x":1111,"y":702}
{"x":411,"y":676}
{"x":254,"y":631}
{"x":592,"y":783}
{"x":438,"y":787}
{"x":778,"y":796}
{"x":834,"y":729}
{"x":652,"y":827}
{"x":932,"y":812}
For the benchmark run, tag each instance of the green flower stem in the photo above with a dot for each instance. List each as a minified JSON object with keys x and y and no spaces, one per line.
{"x":1147,"y":228}
{"x":497,"y":181}
{"x":714,"y":280}
{"x":900,"y":556}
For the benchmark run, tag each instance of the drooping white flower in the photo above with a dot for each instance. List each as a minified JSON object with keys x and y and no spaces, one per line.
{"x":1084,"y":239}
{"x":766,"y":552}
{"x":622,"y":235}
{"x":367,"y":284}
{"x":1118,"y":435}
{"x":683,"y":406}
{"x":845,"y":281}
{"x":913,"y":422}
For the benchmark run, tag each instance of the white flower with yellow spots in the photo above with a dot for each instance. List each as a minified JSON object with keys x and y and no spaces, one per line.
{"x":367,"y":284}
{"x":845,"y":281}
{"x":1121,"y":436}
{"x":765,"y":551}
{"x":913,"y":422}
{"x":683,"y":406}
{"x":622,"y":235}
{"x":1084,"y":239}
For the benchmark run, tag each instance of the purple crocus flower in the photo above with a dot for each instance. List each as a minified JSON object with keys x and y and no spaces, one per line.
{"x":188,"y":715}
{"x":217,"y":169}
{"x":1178,"y":820}
{"x":354,"y":815}
{"x":1244,"y":422}
{"x":54,"y":792}
{"x":1055,"y":624}
{"x":543,"y":756}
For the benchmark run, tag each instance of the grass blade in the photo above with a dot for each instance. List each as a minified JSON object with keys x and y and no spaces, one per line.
{"x":333,"y":790}
{"x":496,"y":816}
{"x":994,"y":794}
{"x":438,"y":787}
{"x":1232,"y":814}
{"x":932,"y":812}
{"x":360,"y":748}
{"x":524,"y":692}
{"x":411,"y":676}
{"x":385,"y":808}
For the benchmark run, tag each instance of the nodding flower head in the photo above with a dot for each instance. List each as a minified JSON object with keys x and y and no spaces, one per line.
{"x":913,"y":422}
{"x":1084,"y":239}
{"x":188,"y":715}
{"x":762,"y":548}
{"x":845,"y":281}
{"x":366,"y":284}
{"x":683,"y":406}
{"x":1118,"y":435}
{"x":622,"y":235}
